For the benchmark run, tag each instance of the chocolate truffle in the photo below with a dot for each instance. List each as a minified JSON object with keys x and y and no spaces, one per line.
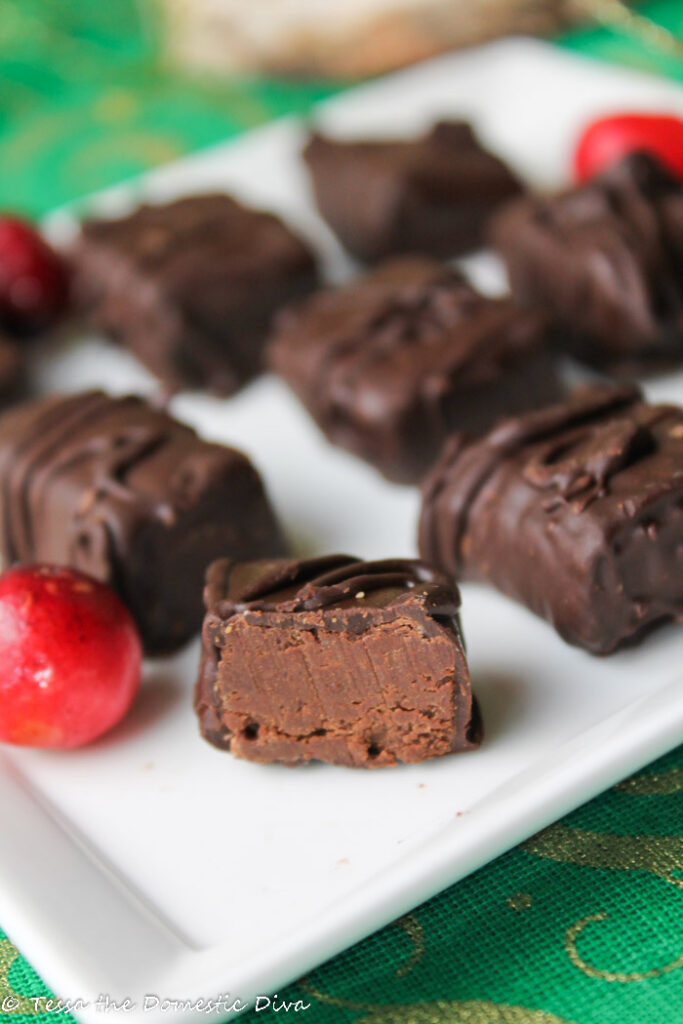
{"x":123,"y":492}
{"x":576,"y":511}
{"x":332,"y":659}
{"x":190,"y":287}
{"x":392,"y":364}
{"x":605,"y":260}
{"x":431,"y":195}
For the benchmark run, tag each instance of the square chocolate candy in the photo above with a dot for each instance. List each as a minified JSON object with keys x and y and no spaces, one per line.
{"x":190,"y":286}
{"x":393,"y":363}
{"x":125,"y":493}
{"x":605,"y":261}
{"x":576,"y":511}
{"x":429,"y":195}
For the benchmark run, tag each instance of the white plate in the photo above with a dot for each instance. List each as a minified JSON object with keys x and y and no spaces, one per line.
{"x":151,"y":863}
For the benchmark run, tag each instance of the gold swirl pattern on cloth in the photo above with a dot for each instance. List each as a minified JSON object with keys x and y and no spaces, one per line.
{"x":595,"y":972}
{"x":13,"y":1002}
{"x":42,"y":133}
{"x":117,"y":105}
{"x":451,"y":1011}
{"x":617,"y":14}
{"x":471,"y":1011}
{"x":139,"y":146}
{"x":664,"y":783}
{"x":413,"y":929}
{"x":657,"y":855}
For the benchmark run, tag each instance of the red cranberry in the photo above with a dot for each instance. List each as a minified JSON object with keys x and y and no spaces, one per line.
{"x":607,"y":140}
{"x":70,"y":656}
{"x":33,"y":279}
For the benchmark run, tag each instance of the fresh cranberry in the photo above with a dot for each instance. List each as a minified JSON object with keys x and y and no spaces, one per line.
{"x":70,"y":657}
{"x":607,"y":140}
{"x":34,"y":284}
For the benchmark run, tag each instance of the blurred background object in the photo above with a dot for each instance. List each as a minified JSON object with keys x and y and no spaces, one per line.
{"x":344,"y":40}
{"x":363,"y":37}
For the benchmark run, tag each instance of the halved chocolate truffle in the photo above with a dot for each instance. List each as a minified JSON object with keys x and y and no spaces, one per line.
{"x":332,"y":659}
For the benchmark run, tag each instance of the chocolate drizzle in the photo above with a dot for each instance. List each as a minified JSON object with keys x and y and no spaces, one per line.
{"x":580,"y":466}
{"x":605,"y":259}
{"x":464,"y":469}
{"x":409,"y":304}
{"x":317,"y":583}
{"x":422,"y":315}
{"x":577,"y":511}
{"x":427,"y":314}
{"x":52,"y":447}
{"x":392,"y":364}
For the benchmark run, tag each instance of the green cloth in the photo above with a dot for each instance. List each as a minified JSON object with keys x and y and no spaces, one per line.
{"x":581,"y":924}
{"x":84,"y":102}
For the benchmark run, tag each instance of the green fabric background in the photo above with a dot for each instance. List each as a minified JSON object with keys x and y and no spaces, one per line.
{"x":581,"y":924}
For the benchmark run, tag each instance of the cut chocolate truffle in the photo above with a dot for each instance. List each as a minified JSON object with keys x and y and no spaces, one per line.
{"x":123,"y":492}
{"x":190,"y":287}
{"x":431,"y":195}
{"x":605,"y":260}
{"x":576,"y":511}
{"x":331,"y":659}
{"x":392,"y":364}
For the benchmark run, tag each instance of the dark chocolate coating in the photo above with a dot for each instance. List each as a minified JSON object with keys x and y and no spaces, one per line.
{"x":332,"y":659}
{"x":576,"y":511}
{"x":605,"y":260}
{"x":190,"y":287}
{"x":130,"y":496}
{"x":12,"y":370}
{"x":432,"y":194}
{"x":392,"y":364}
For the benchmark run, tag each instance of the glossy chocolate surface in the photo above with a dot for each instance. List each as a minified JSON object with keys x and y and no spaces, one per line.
{"x":576,"y":511}
{"x":122,"y":491}
{"x":393,"y":363}
{"x":190,"y":287}
{"x":605,"y":260}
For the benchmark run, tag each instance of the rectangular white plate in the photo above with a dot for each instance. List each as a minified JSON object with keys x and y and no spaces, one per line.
{"x":151,"y":862}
